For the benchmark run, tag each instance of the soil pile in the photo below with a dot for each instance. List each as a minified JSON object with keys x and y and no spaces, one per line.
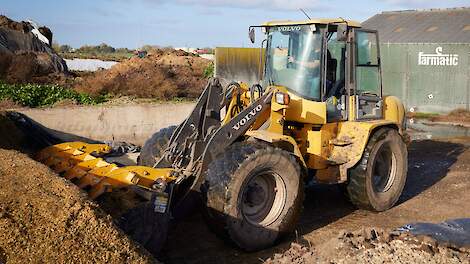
{"x":46,"y":219}
{"x":25,"y":58}
{"x":161,"y":74}
{"x":374,"y":246}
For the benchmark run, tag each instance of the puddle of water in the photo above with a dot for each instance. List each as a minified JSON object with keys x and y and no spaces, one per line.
{"x":455,"y":232}
{"x":420,"y":129}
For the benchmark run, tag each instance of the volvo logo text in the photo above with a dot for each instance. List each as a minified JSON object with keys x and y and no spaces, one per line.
{"x":248,"y":117}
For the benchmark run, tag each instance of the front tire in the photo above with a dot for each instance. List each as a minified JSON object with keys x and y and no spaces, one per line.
{"x":155,"y":146}
{"x":253,"y":194}
{"x":377,"y":181}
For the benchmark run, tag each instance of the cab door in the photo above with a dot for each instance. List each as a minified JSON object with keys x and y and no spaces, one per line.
{"x":366,"y":75}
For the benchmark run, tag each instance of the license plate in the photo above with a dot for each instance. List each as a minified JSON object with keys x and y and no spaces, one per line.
{"x":161,"y":204}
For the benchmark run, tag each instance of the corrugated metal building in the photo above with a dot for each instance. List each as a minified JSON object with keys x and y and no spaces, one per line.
{"x":426,"y":57}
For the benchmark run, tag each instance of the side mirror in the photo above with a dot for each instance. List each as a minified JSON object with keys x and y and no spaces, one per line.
{"x":251,"y":34}
{"x":342,"y":32}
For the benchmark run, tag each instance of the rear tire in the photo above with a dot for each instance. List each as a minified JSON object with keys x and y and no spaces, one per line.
{"x":155,"y":146}
{"x":254,"y":195}
{"x":377,"y":181}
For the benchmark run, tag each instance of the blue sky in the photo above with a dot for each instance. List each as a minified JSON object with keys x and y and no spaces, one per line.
{"x":195,"y":23}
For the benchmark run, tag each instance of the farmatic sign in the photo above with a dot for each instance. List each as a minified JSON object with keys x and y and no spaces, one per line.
{"x":438,"y":59}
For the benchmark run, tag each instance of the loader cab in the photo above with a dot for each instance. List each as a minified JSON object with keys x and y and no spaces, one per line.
{"x":331,"y":70}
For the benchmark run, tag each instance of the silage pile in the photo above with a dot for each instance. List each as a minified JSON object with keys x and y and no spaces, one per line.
{"x":47,"y":219}
{"x":24,"y":58}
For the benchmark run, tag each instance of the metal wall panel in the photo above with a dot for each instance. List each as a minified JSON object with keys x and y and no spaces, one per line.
{"x":438,"y":84}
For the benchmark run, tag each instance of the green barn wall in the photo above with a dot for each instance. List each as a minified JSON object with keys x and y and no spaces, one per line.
{"x":426,"y":88}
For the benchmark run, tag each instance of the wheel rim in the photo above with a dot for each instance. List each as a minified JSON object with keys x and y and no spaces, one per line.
{"x":384,"y":169}
{"x":263,"y":198}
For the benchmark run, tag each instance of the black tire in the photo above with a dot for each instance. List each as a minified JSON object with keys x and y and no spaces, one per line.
{"x":234,"y":207}
{"x":148,"y":228}
{"x":151,"y":152}
{"x":155,"y":146}
{"x":377,"y":181}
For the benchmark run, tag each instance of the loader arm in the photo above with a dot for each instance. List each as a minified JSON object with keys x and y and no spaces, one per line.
{"x":193,"y":145}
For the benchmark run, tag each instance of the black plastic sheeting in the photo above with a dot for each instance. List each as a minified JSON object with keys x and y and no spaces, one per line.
{"x":455,"y":232}
{"x":12,"y":41}
{"x":36,"y":137}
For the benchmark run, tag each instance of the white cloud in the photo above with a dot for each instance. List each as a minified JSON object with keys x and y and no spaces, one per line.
{"x":423,"y":3}
{"x":408,"y":2}
{"x":266,"y":4}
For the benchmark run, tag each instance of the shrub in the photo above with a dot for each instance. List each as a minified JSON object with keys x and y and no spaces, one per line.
{"x":209,"y":71}
{"x":34,"y":95}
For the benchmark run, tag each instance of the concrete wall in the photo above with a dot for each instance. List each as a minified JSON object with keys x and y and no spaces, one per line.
{"x":130,"y":123}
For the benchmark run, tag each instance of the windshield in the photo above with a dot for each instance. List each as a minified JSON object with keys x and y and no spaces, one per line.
{"x":293,"y":59}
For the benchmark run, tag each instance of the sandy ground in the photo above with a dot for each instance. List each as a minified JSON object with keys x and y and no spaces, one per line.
{"x":436,"y":190}
{"x":46,"y":219}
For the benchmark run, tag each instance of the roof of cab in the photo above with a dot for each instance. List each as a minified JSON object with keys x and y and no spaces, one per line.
{"x":311,"y":21}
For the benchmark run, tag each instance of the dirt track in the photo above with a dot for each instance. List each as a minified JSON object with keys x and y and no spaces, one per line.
{"x":436,"y":190}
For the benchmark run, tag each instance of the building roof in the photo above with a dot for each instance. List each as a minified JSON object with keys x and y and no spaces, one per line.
{"x":311,"y":21}
{"x":422,"y":26}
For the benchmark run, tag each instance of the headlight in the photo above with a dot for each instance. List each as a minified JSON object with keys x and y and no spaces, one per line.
{"x":282,"y":98}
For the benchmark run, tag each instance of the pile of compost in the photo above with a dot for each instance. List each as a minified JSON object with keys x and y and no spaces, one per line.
{"x":162,"y":74}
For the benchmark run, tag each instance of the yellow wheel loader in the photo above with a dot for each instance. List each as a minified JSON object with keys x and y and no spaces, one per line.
{"x":318,"y":114}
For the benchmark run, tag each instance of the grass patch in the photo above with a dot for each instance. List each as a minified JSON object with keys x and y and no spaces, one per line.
{"x":35,"y":95}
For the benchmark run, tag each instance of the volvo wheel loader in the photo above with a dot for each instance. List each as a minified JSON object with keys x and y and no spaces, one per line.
{"x":317,"y":114}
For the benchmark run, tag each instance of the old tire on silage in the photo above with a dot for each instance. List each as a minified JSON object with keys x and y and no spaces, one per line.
{"x":253,"y":195}
{"x":377,"y":181}
{"x":147,"y":227}
{"x":155,"y":146}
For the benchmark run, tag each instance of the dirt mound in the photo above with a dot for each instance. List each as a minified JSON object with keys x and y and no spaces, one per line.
{"x":374,"y":246}
{"x":25,"y":58}
{"x":46,"y":219}
{"x":161,"y":75}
